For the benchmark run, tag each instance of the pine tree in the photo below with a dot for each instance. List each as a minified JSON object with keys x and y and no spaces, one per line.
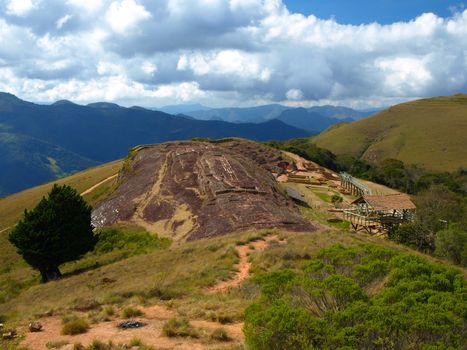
{"x":56,"y":231}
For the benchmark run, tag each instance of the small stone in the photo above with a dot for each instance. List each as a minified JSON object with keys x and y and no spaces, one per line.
{"x":35,"y":327}
{"x":11,"y":334}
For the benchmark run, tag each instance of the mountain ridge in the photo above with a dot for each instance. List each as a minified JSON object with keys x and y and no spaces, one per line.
{"x":104,"y":134}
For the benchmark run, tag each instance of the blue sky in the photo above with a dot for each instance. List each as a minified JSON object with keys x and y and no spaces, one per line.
{"x":233,"y":52}
{"x":367,"y":11}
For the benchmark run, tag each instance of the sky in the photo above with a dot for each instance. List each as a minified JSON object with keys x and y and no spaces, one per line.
{"x":152,"y":53}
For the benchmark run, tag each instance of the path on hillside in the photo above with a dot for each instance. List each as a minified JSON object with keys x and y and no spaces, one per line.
{"x":243,"y":265}
{"x":151,"y":334}
{"x":85,"y":192}
{"x":92,"y":188}
{"x":5,"y":229}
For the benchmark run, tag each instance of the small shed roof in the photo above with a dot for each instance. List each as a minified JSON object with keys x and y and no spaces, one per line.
{"x":387,"y":202}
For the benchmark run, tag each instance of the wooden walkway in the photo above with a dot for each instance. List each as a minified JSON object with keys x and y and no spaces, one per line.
{"x":352,"y":185}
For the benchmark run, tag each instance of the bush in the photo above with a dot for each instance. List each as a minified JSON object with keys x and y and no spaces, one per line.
{"x":220,"y":334}
{"x":179,"y":327}
{"x":336,"y":199}
{"x":74,"y":326}
{"x":132,"y":240}
{"x":323,"y":304}
{"x":281,"y":326}
{"x":129,"y":312}
{"x":98,"y":345}
{"x":452,"y":245}
{"x":109,"y":311}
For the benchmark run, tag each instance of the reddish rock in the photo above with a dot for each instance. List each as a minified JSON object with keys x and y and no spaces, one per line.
{"x":199,"y":189}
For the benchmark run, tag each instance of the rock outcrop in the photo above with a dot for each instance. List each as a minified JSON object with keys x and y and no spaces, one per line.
{"x":192,"y":190}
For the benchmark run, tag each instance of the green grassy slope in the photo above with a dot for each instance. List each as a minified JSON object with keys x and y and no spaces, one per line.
{"x":27,"y":161}
{"x":12,"y":207}
{"x":430,"y":133}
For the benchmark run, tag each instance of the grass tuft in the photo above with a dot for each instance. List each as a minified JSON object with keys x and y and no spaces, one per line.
{"x":129,"y":312}
{"x":220,"y":334}
{"x":179,"y":327}
{"x":74,"y":325}
{"x":56,"y":344}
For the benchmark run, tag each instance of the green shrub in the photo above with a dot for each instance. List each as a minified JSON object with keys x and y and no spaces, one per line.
{"x":336,"y":199}
{"x":75,"y":326}
{"x":179,"y":327}
{"x":452,"y":244}
{"x":281,"y":327}
{"x":129,"y":312}
{"x":132,"y":240}
{"x":322,"y":304}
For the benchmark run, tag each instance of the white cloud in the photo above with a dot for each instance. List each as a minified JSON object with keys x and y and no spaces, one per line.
{"x":19,"y":7}
{"x":404,"y":72}
{"x":225,"y":62}
{"x":149,"y":68}
{"x":294,"y":94}
{"x":62,"y":21}
{"x":125,"y":14}
{"x":88,"y":5}
{"x":229,"y":51}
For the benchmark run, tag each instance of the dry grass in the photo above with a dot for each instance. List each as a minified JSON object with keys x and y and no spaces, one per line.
{"x":412,"y":132}
{"x":12,"y":207}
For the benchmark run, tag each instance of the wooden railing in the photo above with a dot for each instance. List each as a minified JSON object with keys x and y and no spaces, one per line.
{"x":349,"y":182}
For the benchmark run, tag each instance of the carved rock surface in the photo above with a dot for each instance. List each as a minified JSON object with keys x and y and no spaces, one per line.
{"x":192,"y":190}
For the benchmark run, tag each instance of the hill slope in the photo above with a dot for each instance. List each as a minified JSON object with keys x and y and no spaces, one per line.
{"x":26,"y":161}
{"x":430,"y":133}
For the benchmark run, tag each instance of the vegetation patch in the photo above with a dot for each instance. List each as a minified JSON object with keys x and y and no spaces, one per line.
{"x":330,"y":302}
{"x":74,"y":325}
{"x":129,"y":312}
{"x":180,"y":327}
{"x":220,"y":334}
{"x":56,"y":344}
{"x":129,"y":239}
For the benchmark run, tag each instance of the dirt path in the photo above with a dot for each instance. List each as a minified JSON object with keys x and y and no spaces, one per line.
{"x":92,"y":188}
{"x":243,"y":265}
{"x":151,"y":334}
{"x":5,"y":229}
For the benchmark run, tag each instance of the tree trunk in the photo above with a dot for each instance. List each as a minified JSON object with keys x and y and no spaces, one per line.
{"x":50,"y":273}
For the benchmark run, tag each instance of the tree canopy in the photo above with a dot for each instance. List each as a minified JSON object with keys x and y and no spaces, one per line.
{"x":56,"y":231}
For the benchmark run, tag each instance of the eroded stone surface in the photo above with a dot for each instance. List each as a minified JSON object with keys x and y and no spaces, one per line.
{"x":191,"y":190}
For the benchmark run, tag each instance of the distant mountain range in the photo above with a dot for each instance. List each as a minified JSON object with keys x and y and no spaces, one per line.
{"x":431,"y":133}
{"x":313,"y":119}
{"x":41,"y":142}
